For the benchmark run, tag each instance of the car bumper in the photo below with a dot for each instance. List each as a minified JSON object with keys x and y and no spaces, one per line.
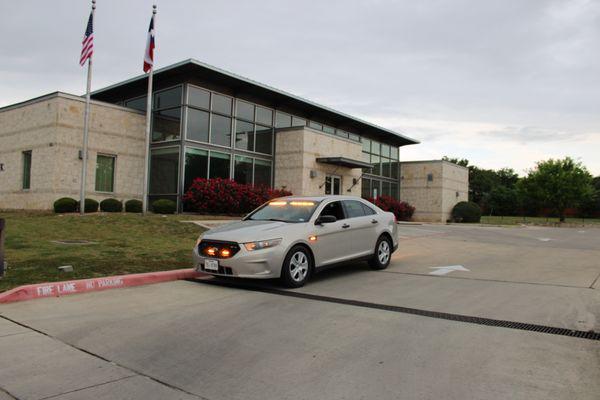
{"x":258,"y":264}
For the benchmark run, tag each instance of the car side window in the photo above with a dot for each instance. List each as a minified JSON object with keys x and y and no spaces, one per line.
{"x":334,"y":208}
{"x":368,"y":210}
{"x":354,"y":208}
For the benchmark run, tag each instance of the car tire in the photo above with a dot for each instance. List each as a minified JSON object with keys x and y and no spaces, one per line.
{"x":297,"y":267}
{"x":383,"y":253}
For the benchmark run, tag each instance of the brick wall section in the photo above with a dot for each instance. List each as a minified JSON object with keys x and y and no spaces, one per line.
{"x":52,"y":128}
{"x":296,"y":152}
{"x":433,"y":199}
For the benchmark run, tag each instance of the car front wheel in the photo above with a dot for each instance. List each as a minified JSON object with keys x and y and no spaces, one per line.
{"x":296,"y":267}
{"x":383,"y":253}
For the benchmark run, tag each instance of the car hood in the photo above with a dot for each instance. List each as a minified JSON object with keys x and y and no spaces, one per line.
{"x":247,"y":231}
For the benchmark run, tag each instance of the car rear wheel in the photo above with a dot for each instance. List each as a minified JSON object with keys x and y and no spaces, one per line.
{"x":296,"y":267}
{"x":383,"y":253}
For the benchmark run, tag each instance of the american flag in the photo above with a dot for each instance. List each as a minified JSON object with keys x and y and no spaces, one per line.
{"x":149,"y":55}
{"x":87,"y":48}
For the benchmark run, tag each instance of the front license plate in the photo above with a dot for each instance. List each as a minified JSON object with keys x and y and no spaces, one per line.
{"x":211,"y":265}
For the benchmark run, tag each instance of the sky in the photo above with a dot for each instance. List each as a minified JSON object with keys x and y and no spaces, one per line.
{"x":501,"y":83}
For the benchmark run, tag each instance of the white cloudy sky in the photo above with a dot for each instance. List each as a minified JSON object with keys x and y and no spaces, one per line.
{"x":500,"y":82}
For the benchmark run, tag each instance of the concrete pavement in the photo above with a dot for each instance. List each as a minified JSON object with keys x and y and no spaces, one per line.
{"x":192,"y":340}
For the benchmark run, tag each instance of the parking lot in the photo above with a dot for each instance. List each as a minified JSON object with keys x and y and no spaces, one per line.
{"x":351,"y":333}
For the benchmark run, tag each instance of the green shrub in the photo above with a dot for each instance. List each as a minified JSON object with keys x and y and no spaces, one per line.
{"x":466,"y":211}
{"x":65,"y":205}
{"x":164,"y":206}
{"x":133,"y":206}
{"x":91,"y":205}
{"x":111,"y":205}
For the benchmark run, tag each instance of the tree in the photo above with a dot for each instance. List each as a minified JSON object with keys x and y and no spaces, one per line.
{"x":558,"y":184}
{"x":481,"y":183}
{"x":508,"y":177}
{"x":463,"y":162}
{"x":591,"y":208}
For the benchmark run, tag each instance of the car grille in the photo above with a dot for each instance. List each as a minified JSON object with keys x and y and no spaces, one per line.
{"x":205,"y":245}
{"x":222,"y":270}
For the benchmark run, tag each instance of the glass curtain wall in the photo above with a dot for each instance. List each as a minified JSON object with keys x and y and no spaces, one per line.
{"x":226,"y":138}
{"x":382,"y":178}
{"x":199,"y":133}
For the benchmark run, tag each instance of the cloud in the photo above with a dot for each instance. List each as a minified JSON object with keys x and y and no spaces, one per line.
{"x":503,"y":83}
{"x":533,"y":134}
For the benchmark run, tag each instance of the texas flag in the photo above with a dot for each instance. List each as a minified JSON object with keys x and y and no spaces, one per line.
{"x":149,"y":55}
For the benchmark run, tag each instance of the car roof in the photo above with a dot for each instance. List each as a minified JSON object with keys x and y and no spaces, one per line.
{"x":321,"y":198}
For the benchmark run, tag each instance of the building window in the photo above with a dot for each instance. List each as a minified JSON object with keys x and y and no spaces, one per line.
{"x":264,"y":116}
{"x":315,"y":125}
{"x":244,"y":135}
{"x":105,"y":173}
{"x":197,"y":125}
{"x":220,"y":130}
{"x":244,"y":110}
{"x":166,"y":125}
{"x":243,"y":170}
{"x":137,"y":103}
{"x":164,"y":167}
{"x":262,"y":172}
{"x":366,"y":188}
{"x":198,"y":97}
{"x":342,"y":133}
{"x":27,"y":170}
{"x":167,"y":98}
{"x":264,"y":139}
{"x":166,"y":115}
{"x":375,"y":165}
{"x":196,"y":166}
{"x":296,"y":121}
{"x":221,"y":104}
{"x":219,"y":165}
{"x":282,"y":120}
{"x":328,"y":129}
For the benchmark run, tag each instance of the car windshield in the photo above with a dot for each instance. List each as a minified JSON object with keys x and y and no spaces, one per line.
{"x":285,"y":211}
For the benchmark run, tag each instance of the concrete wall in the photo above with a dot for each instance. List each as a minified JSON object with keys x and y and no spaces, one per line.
{"x":433,"y":199}
{"x":296,"y":151}
{"x":52,"y":128}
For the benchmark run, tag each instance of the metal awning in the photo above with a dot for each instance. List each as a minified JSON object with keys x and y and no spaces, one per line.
{"x":344,"y":162}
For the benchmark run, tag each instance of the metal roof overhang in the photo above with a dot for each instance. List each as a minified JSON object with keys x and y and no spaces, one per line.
{"x":344,"y":162}
{"x":197,"y":72}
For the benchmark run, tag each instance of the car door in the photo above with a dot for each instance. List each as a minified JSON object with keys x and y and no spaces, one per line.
{"x":361,"y":230}
{"x":331,"y":244}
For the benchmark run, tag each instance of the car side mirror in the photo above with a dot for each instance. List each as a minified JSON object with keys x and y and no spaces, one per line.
{"x":325,"y":219}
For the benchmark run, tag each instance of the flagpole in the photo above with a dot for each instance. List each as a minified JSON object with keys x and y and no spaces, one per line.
{"x":148,"y":121}
{"x":86,"y":125}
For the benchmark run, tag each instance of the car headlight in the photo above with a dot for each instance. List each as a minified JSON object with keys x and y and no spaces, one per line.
{"x":262,"y":244}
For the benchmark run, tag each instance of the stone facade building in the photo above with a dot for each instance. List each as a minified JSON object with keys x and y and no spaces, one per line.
{"x":434,"y":187}
{"x":40,"y":148}
{"x":206,"y":123}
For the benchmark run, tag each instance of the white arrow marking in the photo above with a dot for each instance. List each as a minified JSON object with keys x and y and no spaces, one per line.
{"x":448,"y":269}
{"x":544,"y":239}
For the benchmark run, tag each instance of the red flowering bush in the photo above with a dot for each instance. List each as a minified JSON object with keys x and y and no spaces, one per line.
{"x":225,"y":196}
{"x":401,"y":209}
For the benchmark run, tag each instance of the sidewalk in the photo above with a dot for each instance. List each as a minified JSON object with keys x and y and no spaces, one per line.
{"x":42,"y":366}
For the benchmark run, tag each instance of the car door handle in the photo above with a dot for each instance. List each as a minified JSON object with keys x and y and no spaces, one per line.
{"x":345,"y":226}
{"x":374,"y":221}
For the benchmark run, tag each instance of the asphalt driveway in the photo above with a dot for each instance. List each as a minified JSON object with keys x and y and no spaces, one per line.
{"x":193,"y":340}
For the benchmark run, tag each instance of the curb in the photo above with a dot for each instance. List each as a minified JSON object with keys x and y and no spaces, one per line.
{"x":57,"y":289}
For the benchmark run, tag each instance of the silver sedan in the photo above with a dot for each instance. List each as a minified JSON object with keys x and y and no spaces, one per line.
{"x":293,"y":237}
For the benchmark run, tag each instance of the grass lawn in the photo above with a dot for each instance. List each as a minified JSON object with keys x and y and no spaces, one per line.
{"x":123,"y":244}
{"x":498,"y":220}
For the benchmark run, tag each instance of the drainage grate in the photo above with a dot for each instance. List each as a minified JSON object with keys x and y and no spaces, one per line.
{"x":591,"y":335}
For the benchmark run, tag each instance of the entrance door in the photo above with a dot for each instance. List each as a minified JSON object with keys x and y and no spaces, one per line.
{"x":333,"y":184}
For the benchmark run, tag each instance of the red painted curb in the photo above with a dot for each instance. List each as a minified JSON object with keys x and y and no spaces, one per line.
{"x":57,"y":289}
